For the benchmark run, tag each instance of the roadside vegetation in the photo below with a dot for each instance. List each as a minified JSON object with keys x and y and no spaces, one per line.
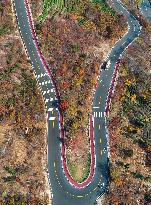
{"x":52,"y":8}
{"x":129,"y":127}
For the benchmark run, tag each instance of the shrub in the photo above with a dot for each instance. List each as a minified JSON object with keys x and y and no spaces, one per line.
{"x":138,"y":175}
{"x":147,"y":198}
{"x":137,"y":122}
{"x":148,"y":159}
{"x":9,"y":178}
{"x":10,"y":170}
{"x":126,"y":153}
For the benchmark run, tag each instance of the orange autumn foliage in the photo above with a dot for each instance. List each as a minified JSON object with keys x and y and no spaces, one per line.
{"x":64,"y":105}
{"x":118,"y":182}
{"x":64,"y":85}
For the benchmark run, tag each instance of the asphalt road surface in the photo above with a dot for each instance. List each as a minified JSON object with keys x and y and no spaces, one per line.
{"x":65,"y":193}
{"x":146,"y":9}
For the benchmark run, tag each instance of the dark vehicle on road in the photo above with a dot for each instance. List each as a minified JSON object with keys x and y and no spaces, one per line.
{"x":118,"y":61}
{"x":55,"y":103}
{"x":104,"y":65}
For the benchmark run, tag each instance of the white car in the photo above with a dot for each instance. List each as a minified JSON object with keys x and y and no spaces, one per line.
{"x":108,"y":64}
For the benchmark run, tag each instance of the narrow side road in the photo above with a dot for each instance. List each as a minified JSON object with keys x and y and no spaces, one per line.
{"x":145,"y":8}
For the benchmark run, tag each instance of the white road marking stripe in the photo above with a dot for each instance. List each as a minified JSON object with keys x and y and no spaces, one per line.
{"x":52,"y":118}
{"x":50,"y":109}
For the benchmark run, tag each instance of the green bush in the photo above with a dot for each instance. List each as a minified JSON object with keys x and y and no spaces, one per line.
{"x":147,"y":198}
{"x":67,"y":6}
{"x":10,"y":170}
{"x":137,"y":122}
{"x":9,"y":178}
{"x":56,"y":7}
{"x":104,"y":6}
{"x":17,"y":199}
{"x":126,"y":152}
{"x":6,"y":74}
{"x":138,"y":175}
{"x":4,"y":30}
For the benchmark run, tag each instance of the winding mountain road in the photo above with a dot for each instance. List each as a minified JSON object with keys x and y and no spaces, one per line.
{"x":64,"y":189}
